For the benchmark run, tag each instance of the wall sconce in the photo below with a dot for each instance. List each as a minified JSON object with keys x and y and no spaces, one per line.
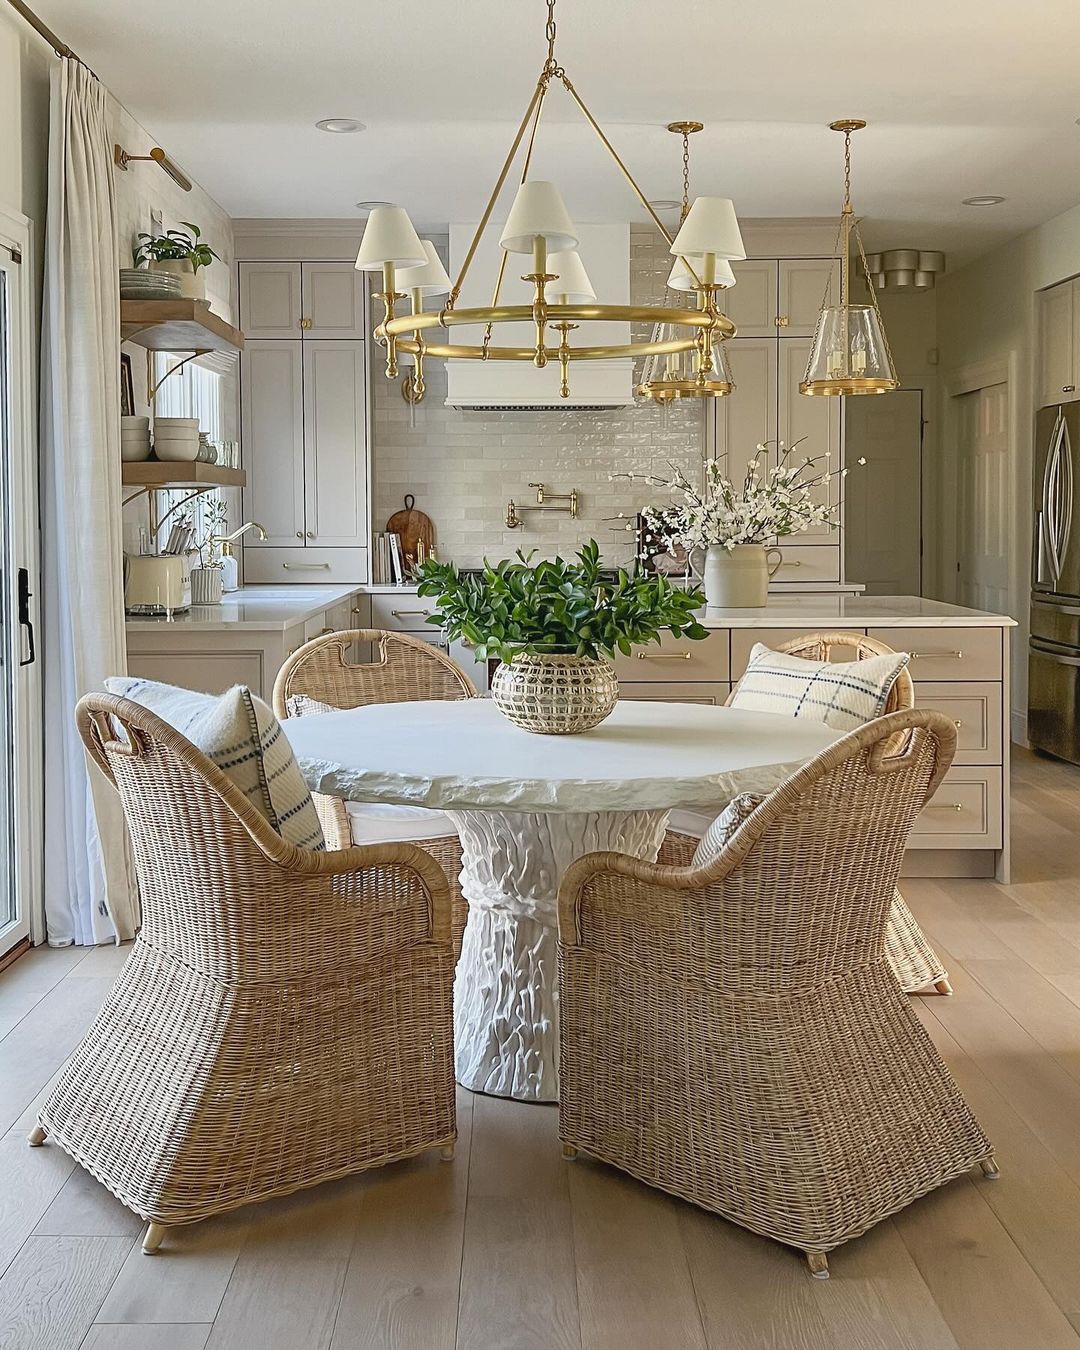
{"x":122,"y":159}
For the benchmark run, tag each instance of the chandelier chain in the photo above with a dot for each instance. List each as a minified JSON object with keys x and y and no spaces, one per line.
{"x":847,"y":172}
{"x":685,"y":176}
{"x":551,"y":66}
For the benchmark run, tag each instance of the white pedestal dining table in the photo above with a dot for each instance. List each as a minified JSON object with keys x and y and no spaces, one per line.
{"x":525,"y":807}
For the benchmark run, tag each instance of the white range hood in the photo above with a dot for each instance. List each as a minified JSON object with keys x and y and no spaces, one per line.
{"x":605,"y":251}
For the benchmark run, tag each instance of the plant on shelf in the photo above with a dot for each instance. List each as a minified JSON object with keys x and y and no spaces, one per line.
{"x":182,"y":252}
{"x":733,"y":522}
{"x":555,"y":625}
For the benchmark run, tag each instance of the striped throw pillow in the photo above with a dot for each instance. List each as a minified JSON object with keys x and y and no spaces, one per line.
{"x":241,"y":735}
{"x":842,"y":694}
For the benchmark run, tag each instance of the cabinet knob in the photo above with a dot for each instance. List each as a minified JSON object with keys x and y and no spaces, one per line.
{"x":299,"y":534}
{"x":305,"y":324}
{"x":311,"y":534}
{"x":1068,"y":388}
{"x":782,"y":321}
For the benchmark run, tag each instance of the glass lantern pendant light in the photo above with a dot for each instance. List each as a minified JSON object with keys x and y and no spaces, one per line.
{"x":701,"y":371}
{"x":851,"y":353}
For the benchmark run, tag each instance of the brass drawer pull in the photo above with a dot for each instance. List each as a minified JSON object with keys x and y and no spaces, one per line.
{"x":936,"y":656}
{"x":663,"y":656}
{"x":306,"y":567}
{"x":945,"y":806}
{"x":795,"y":562}
{"x":404,"y":613}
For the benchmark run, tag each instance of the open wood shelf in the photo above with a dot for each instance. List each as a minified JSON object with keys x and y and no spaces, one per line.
{"x":162,"y":474}
{"x":177,"y":326}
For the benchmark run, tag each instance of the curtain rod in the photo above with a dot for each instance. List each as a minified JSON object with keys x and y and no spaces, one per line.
{"x":40,"y":27}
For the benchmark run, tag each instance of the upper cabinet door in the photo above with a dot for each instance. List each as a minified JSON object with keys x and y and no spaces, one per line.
{"x":272,"y":431}
{"x":1058,"y":343}
{"x":747,"y":416}
{"x":270,"y":299}
{"x":800,"y":291}
{"x":816,"y":422}
{"x":751,"y":303}
{"x":335,"y":441}
{"x":333,"y":294}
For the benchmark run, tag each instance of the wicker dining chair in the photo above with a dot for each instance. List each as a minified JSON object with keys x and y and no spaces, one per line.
{"x":406,"y":669}
{"x":731,"y":1032}
{"x":285,"y":1016}
{"x":914,"y":962}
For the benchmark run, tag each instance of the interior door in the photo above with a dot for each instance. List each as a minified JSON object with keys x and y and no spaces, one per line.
{"x":272,"y":436}
{"x":883,"y":497}
{"x":333,"y":300}
{"x":335,"y":453}
{"x":982,"y":499}
{"x":747,"y":416}
{"x":815,"y":422}
{"x":270,"y":299}
{"x":21,"y":857}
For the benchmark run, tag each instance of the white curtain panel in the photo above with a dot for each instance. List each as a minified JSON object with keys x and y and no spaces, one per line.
{"x":89,"y":889}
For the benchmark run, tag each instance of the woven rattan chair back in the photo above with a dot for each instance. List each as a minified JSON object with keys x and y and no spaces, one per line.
{"x":732,"y":1032}
{"x":405,"y":670}
{"x":284,"y":1017}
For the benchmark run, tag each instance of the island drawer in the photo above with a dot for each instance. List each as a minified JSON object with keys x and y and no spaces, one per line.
{"x":403,"y":613}
{"x":966,"y":811}
{"x":975,"y":708}
{"x":676,"y":659}
{"x":947,"y":653}
{"x":306,"y":566}
{"x":680,"y":691}
{"x":808,"y":563}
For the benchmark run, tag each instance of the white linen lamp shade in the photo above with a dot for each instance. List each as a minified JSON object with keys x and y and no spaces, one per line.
{"x":429,"y":278}
{"x":572,"y":286}
{"x":681,"y":278}
{"x":538,"y":212}
{"x":710,"y":227}
{"x":389,"y":237}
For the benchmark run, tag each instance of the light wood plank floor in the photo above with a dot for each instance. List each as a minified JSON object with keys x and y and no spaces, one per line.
{"x":508,"y":1248}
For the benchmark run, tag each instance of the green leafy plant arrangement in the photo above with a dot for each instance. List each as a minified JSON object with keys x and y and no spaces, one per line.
{"x":175,"y":245}
{"x":557,"y":606}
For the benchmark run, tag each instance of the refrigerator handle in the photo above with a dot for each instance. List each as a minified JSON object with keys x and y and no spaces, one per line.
{"x":1065,"y":496}
{"x":1050,"y":486}
{"x":1040,"y":547}
{"x":1057,"y":658}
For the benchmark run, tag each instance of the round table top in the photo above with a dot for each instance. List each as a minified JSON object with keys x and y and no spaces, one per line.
{"x":465,"y":755}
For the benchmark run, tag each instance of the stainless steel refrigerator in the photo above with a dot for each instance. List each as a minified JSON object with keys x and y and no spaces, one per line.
{"x":1054,"y":649}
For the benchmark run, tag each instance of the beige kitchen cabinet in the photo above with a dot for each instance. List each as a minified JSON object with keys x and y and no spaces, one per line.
{"x":1058,"y":375}
{"x":816,"y":422}
{"x":272,"y":431}
{"x":747,"y":416}
{"x":335,"y":444}
{"x":308,"y":300}
{"x":751,"y":303}
{"x":777,"y":297}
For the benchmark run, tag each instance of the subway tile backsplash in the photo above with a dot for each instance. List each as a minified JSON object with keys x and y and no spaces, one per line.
{"x":463,"y":467}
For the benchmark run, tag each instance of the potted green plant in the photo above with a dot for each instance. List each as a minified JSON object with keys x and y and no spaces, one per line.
{"x":556,"y":625}
{"x":182,"y":252}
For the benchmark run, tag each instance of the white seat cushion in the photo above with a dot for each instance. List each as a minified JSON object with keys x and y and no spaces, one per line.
{"x":241,"y":735}
{"x":842,"y":694}
{"x":382,"y":823}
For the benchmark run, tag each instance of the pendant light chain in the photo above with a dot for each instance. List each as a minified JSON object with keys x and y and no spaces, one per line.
{"x":685,"y":177}
{"x":552,"y":69}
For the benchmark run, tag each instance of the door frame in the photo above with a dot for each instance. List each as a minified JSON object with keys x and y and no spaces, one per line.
{"x":17,"y":233}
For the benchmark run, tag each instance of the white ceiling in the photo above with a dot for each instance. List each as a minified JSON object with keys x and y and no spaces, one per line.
{"x":964,"y":97}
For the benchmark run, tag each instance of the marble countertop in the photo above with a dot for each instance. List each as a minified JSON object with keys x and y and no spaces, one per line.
{"x":259,"y":608}
{"x":854,"y":611}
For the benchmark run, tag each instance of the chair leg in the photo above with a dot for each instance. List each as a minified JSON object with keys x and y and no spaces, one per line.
{"x":152,"y":1239}
{"x":943,"y":987}
{"x":36,"y":1137}
{"x":990,"y":1168}
{"x":569,"y":1152}
{"x":819,"y":1265}
{"x":446,"y":1153}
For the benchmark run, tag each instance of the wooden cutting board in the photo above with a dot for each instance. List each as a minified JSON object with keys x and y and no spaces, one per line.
{"x":414,"y":529}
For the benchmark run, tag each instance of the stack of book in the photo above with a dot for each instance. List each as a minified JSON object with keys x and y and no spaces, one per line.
{"x":388,"y":561}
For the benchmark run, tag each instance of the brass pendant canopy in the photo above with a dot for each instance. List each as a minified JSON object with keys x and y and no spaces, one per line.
{"x":540,"y":226}
{"x":850,"y":354}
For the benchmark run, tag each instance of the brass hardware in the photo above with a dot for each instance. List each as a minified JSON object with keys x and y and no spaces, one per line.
{"x":930,"y":656}
{"x":543,"y":500}
{"x":957,"y":724}
{"x":513,"y":520}
{"x":795,"y":562}
{"x":122,"y":159}
{"x":663,"y":656}
{"x":945,"y":806}
{"x":405,"y":613}
{"x":355,"y":610}
{"x":305,"y":324}
{"x":151,"y":387}
{"x":1068,"y":388}
{"x":328,"y":630}
{"x":782,"y":321}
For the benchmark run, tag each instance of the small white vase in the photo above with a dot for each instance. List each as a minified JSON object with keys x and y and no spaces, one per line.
{"x":192,"y":283}
{"x":206,"y":585}
{"x":738,"y":578}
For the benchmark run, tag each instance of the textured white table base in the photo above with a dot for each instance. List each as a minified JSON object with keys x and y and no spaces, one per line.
{"x":506,"y":997}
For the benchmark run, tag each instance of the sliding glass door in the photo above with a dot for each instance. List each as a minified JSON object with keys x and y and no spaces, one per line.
{"x":20,"y":711}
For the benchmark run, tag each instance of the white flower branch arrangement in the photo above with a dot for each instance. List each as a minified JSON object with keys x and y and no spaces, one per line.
{"x":773,"y":504}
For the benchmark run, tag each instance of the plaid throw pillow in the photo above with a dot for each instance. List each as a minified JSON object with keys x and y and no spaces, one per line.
{"x":244,"y":739}
{"x":724,"y":826}
{"x":842,"y":694}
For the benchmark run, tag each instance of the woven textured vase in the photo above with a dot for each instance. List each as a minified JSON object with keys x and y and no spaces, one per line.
{"x":555,"y":694}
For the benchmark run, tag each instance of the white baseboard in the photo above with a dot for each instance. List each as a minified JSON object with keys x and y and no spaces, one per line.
{"x":1019,"y":727}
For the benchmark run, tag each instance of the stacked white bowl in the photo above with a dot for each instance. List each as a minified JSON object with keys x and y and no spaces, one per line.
{"x":176,"y":438}
{"x":134,"y":438}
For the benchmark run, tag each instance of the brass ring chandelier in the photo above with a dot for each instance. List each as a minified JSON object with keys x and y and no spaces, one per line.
{"x":539,"y":225}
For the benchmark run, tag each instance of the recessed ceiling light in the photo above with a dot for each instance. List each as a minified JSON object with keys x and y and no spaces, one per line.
{"x":988,"y":200}
{"x":370,"y":206}
{"x":665,"y":204}
{"x":340,"y":125}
